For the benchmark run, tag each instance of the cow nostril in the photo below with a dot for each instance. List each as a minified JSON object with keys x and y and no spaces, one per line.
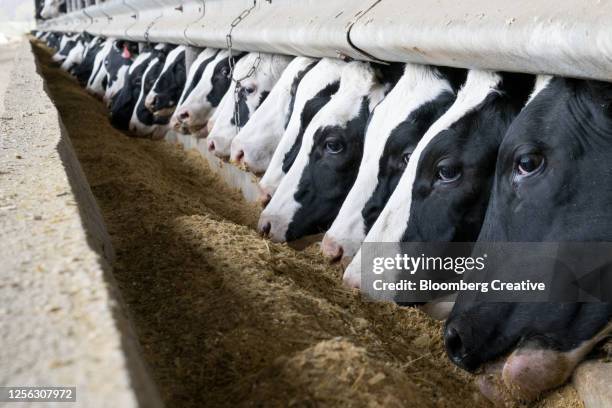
{"x":240,"y":156}
{"x":266,"y":228}
{"x":184,"y":115}
{"x":455,"y":347}
{"x":211,"y":146}
{"x":264,"y":199}
{"x":332,"y":250}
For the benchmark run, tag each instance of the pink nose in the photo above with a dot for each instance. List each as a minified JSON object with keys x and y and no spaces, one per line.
{"x":265,"y":228}
{"x":264,"y":199}
{"x":331,"y":249}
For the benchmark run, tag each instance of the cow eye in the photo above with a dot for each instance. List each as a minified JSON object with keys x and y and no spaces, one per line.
{"x":447,"y":172}
{"x":334,"y":146}
{"x":528,"y":164}
{"x":225,"y":71}
{"x":249,"y":90}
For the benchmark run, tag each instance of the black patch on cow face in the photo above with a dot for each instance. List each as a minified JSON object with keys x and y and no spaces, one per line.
{"x":244,"y":113}
{"x":455,"y":171}
{"x":456,"y":77}
{"x":397,"y":151}
{"x":142,"y":113}
{"x":311,"y":107}
{"x":170,"y":84}
{"x":388,"y":74}
{"x":70,"y":44}
{"x":332,"y":168}
{"x":123,"y":103}
{"x":116,"y":59}
{"x":294,"y":87}
{"x":197,"y":77}
{"x":221,"y":79}
{"x":84,"y":69}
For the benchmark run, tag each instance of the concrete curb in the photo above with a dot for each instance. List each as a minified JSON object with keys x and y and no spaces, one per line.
{"x":60,"y":312}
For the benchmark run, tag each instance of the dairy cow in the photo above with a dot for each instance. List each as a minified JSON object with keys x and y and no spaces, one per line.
{"x":550,"y":184}
{"x":166,"y":91}
{"x":52,"y":8}
{"x":117,"y":64}
{"x":314,"y":90}
{"x":443,"y":193}
{"x":66,"y":44}
{"x":143,"y":122}
{"x":253,"y":78}
{"x":84,"y":69}
{"x":76,"y":54}
{"x":310,"y":195}
{"x":255,"y":143}
{"x":98,"y":79}
{"x":124,"y":102}
{"x":53,"y":40}
{"x":420,"y":97}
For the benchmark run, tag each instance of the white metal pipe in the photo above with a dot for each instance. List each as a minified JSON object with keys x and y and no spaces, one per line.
{"x":568,"y":37}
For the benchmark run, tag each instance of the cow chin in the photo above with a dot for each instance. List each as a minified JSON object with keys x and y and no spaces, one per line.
{"x":525,"y":374}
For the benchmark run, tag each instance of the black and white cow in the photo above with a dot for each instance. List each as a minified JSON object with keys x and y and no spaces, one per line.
{"x":166,"y":91}
{"x":310,"y":195}
{"x":117,"y":64}
{"x":420,"y":97}
{"x":52,"y":8}
{"x":76,"y":54}
{"x":443,"y":193}
{"x":313,"y":91}
{"x":84,"y":69}
{"x":53,"y":40}
{"x":256,"y":141}
{"x":550,"y":184}
{"x":124,"y":102}
{"x":143,"y":122}
{"x":98,"y":79}
{"x":67,"y":43}
{"x":253,"y":78}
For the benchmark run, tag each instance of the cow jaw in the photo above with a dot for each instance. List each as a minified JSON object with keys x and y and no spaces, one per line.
{"x":531,"y":370}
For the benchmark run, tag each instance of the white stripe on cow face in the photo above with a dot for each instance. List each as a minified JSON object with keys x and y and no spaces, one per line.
{"x":75,"y":56}
{"x":392,"y":222}
{"x":357,"y":84}
{"x":154,"y":130}
{"x":542,"y":82}
{"x":96,"y":83}
{"x":419,"y":85}
{"x":250,"y":93}
{"x":256,"y":141}
{"x":194,"y":108}
{"x":326,"y":72}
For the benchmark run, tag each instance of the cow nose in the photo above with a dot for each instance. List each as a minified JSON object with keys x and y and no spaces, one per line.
{"x":240,"y":156}
{"x":211,"y":146}
{"x":331,"y":249}
{"x":457,"y":342}
{"x":183,"y":115}
{"x":264,"y":199}
{"x":265,"y":229}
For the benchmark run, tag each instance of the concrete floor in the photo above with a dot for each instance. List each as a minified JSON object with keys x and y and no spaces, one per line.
{"x":7,"y":55}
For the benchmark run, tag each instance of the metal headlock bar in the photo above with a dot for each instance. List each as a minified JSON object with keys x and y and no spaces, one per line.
{"x":573,"y":38}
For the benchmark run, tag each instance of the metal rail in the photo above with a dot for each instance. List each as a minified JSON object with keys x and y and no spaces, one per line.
{"x":564,"y":37}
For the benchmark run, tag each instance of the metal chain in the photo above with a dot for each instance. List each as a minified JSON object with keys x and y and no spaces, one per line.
{"x":149,"y":26}
{"x":232,"y":65}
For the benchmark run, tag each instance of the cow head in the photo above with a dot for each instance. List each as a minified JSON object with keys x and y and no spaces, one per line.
{"x":253,"y":78}
{"x":76,"y":54}
{"x":310,"y":195}
{"x":98,"y":80}
{"x":124,"y":101}
{"x":117,"y":64}
{"x":443,"y":193}
{"x":420,"y":97}
{"x":166,"y":91}
{"x":143,"y":122}
{"x":257,"y":140}
{"x":84,"y":69}
{"x":549,"y":185}
{"x":52,"y":8}
{"x":67,"y":43}
{"x":313,"y":92}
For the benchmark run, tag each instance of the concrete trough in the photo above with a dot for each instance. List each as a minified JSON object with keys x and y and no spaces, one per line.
{"x":61,"y":316}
